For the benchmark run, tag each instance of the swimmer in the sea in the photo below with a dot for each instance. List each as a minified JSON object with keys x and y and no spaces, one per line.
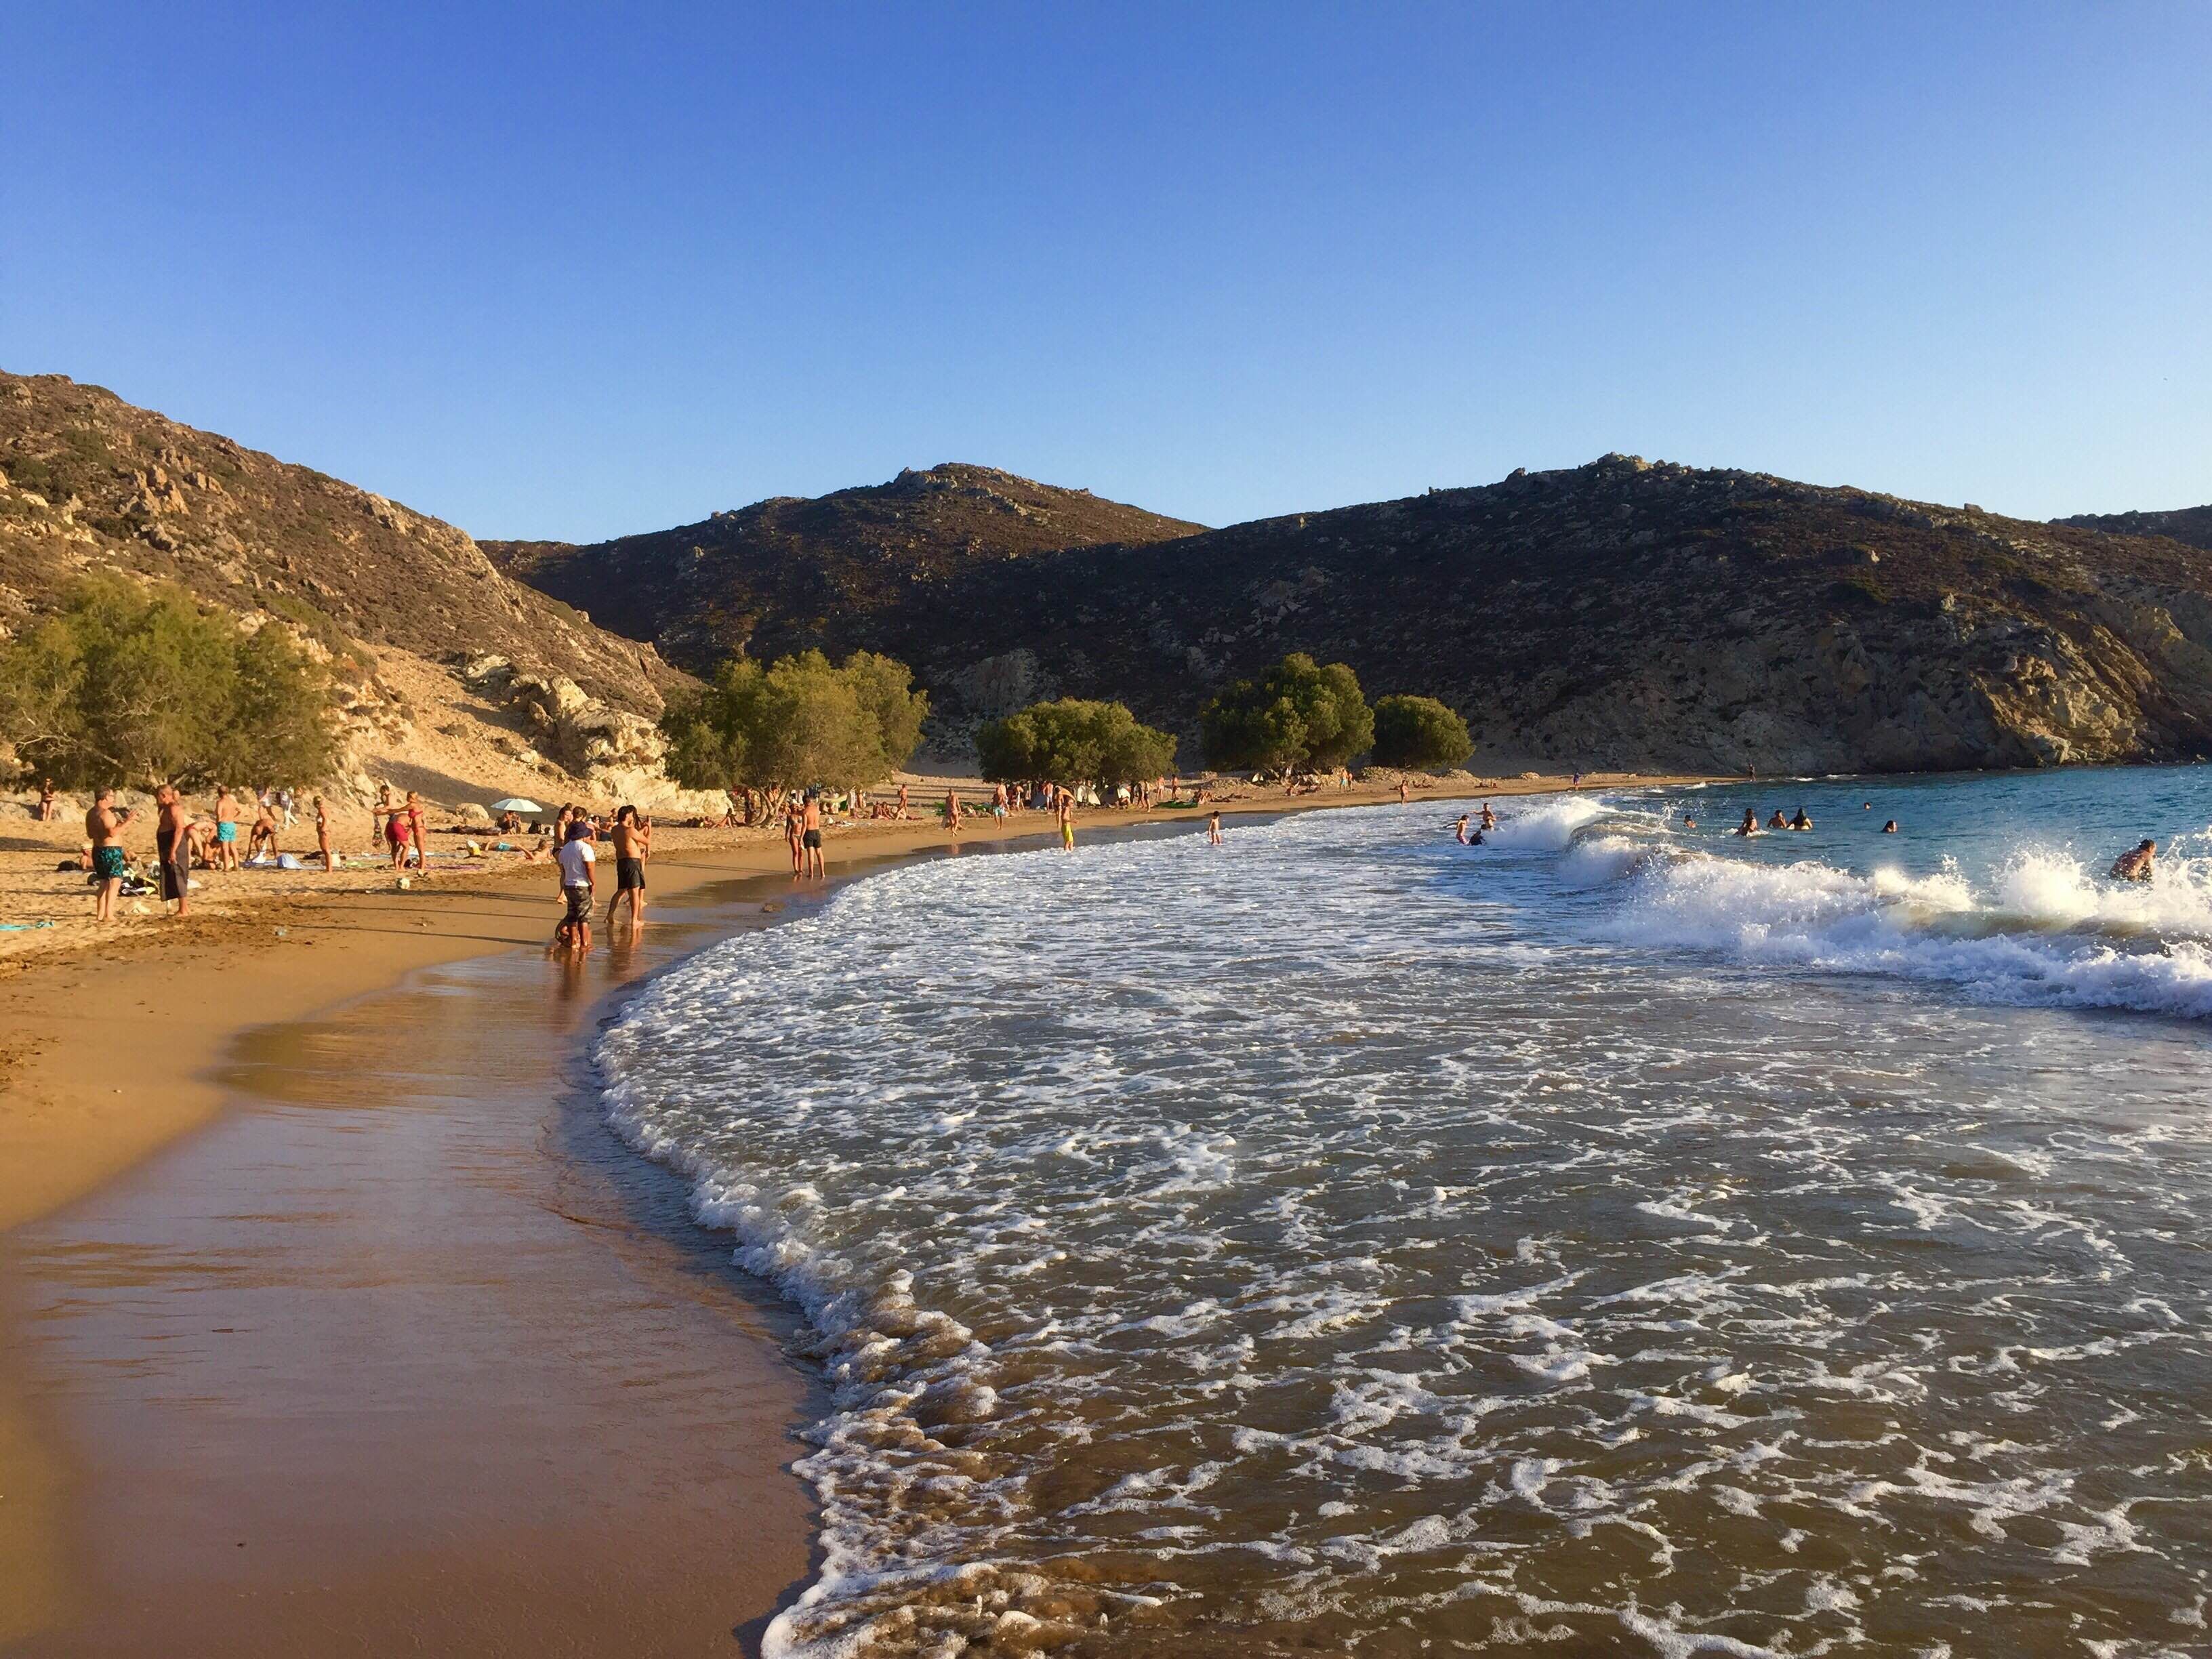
{"x":2136,"y":865}
{"x":1489,"y":818}
{"x":1801,"y":821}
{"x":1461,"y":832}
{"x":1750,"y":824}
{"x":1777,"y":822}
{"x":1889,"y":828}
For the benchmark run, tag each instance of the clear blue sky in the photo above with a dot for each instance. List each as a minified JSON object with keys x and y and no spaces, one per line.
{"x":552,"y":271}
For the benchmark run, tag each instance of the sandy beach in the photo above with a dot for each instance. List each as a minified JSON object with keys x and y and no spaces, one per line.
{"x":336,"y":1317}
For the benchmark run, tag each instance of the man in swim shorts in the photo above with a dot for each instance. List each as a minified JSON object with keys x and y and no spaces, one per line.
{"x":172,"y":848}
{"x":810,"y":835}
{"x":633,"y":838}
{"x":110,"y":864}
{"x":226,"y":827}
{"x":1066,"y":811}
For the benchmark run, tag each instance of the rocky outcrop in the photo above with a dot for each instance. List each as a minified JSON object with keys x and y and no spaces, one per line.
{"x":614,"y":752}
{"x":1623,"y":614}
{"x":792,"y":575}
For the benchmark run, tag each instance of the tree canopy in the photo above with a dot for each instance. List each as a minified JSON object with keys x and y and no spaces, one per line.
{"x":1072,"y":740}
{"x":797,"y":722}
{"x":129,"y":684}
{"x":1298,"y":714}
{"x":1420,"y":732}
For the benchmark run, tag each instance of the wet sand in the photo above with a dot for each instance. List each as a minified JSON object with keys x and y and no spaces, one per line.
{"x":407,"y":1351}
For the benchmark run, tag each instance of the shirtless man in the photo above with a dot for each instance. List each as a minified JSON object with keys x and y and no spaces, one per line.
{"x":323,"y":836}
{"x":172,"y":848}
{"x":1404,"y":794}
{"x":952,"y":813}
{"x":1777,"y":822}
{"x":2135,"y":866}
{"x":809,"y":835}
{"x":1750,"y":824}
{"x":105,"y":825}
{"x":633,"y":838}
{"x":1066,"y":812}
{"x":902,"y":812}
{"x":226,"y":827}
{"x":1489,"y":818}
{"x":263,"y":832}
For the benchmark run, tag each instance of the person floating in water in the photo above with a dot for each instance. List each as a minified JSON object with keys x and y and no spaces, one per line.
{"x":1889,"y":828}
{"x":1801,"y":821}
{"x":2136,"y":865}
{"x":1750,"y":824}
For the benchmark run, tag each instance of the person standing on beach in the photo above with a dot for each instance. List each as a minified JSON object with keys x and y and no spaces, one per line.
{"x":172,"y":848}
{"x":633,"y":840}
{"x":109,"y":862}
{"x":791,"y":836}
{"x":809,"y":835}
{"x":902,"y":812}
{"x":1404,"y":794}
{"x":1214,"y":829}
{"x":48,"y":810}
{"x":225,"y":826}
{"x":323,"y":836}
{"x":579,"y":885}
{"x":1065,"y":810}
{"x":418,"y":831}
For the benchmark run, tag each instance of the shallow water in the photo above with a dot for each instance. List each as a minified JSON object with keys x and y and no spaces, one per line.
{"x":1620,"y":1236}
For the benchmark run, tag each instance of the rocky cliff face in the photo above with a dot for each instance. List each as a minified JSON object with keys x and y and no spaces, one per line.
{"x":88,"y":482}
{"x":2192,"y":525}
{"x":791,"y":574}
{"x":1621,"y":614}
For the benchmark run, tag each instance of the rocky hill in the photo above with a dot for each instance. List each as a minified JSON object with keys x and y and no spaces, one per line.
{"x":2192,"y":525}
{"x":791,"y":572}
{"x":89,"y":482}
{"x":1621,"y":614}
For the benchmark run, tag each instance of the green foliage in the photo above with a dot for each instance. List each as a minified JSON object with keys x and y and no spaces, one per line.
{"x":1073,"y":740}
{"x":885,"y":688}
{"x":798,"y":721}
{"x":1298,"y":713}
{"x":132,"y":685}
{"x":1420,"y":732}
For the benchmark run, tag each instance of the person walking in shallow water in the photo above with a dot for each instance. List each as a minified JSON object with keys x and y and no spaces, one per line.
{"x":1066,"y":809}
{"x":633,"y":838}
{"x":1214,"y":829}
{"x":809,"y":835}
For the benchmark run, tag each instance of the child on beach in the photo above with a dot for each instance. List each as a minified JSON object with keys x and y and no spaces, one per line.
{"x":1213,"y":829}
{"x":579,"y":885}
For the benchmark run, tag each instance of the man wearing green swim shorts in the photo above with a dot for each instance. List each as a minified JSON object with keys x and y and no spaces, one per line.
{"x":226,"y":825}
{"x":104,"y":824}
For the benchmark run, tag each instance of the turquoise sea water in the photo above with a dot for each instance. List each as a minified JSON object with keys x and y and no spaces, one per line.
{"x":1620,"y":1237}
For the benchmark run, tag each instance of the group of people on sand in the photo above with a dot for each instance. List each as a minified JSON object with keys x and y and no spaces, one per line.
{"x":574,"y":832}
{"x":184,"y":842}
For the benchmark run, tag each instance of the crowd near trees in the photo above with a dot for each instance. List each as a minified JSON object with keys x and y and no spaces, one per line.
{"x":798,"y":721}
{"x":1419,"y":732}
{"x":1074,"y":741}
{"x":132,"y":684}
